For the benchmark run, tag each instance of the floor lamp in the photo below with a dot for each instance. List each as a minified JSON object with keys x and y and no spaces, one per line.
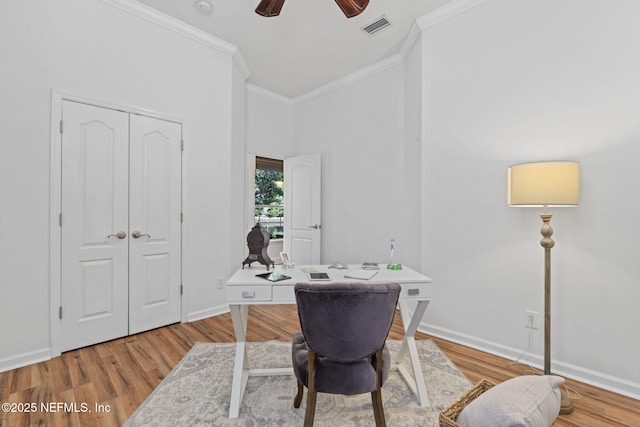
{"x":545,"y":184}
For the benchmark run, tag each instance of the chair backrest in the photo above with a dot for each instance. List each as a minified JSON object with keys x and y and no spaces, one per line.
{"x":346,"y":321}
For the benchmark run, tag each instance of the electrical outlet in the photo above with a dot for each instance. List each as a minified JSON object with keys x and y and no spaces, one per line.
{"x":220,"y":282}
{"x":531,"y":319}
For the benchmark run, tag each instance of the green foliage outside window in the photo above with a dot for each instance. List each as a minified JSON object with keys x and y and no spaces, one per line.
{"x":269,"y":201}
{"x":269,"y":191}
{"x":268,"y":187}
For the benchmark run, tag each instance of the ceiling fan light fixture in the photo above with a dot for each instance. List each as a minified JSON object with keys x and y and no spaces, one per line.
{"x":352,"y":8}
{"x":269,"y":8}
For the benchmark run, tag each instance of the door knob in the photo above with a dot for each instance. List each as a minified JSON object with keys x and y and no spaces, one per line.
{"x":315,"y":226}
{"x":137,"y":234}
{"x":119,"y":235}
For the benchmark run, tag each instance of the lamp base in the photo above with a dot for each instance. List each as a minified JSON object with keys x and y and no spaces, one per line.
{"x":566,"y":405}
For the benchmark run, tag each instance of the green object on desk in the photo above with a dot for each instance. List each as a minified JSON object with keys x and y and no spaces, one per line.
{"x":394,"y":266}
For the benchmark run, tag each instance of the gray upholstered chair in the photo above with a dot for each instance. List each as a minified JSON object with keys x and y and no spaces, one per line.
{"x":341,"y":349}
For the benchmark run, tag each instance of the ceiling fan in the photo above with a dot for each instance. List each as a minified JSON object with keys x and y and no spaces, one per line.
{"x":350,"y":8}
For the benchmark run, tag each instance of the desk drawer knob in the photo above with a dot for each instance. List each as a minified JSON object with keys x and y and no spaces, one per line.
{"x":248,"y":294}
{"x":413,"y":292}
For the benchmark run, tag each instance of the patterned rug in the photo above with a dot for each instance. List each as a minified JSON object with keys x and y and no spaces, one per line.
{"x":197,"y":391}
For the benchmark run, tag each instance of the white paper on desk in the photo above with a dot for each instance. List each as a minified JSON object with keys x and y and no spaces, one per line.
{"x":360,"y":274}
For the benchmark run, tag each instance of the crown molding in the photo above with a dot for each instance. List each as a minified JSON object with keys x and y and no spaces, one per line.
{"x":362,"y":73}
{"x":410,"y":41}
{"x":172,"y":24}
{"x":242,"y":65}
{"x":445,"y":12}
{"x":265,"y":93}
{"x":434,"y":18}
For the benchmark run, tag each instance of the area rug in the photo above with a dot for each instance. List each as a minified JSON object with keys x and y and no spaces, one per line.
{"x":197,"y":391}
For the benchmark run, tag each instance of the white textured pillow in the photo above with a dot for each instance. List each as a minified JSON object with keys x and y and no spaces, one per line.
{"x":526,"y":401}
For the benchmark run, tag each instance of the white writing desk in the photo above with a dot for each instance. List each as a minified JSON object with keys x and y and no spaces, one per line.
{"x":245,"y":289}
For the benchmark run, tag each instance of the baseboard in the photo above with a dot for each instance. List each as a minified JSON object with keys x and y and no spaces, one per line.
{"x":25,"y":359}
{"x":41,"y":355}
{"x":578,"y":373}
{"x":209,"y":312}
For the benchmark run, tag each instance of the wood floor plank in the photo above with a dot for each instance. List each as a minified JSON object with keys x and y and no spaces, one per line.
{"x":138,"y":349}
{"x":99,"y":374}
{"x":123,"y":372}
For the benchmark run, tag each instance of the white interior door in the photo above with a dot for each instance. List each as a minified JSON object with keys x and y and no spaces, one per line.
{"x":154,"y":223}
{"x":302,"y":207}
{"x":121,"y":224}
{"x":95,"y":152}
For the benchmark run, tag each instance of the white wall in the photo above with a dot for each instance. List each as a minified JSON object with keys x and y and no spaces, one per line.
{"x":412,"y":168}
{"x":513,"y":81}
{"x":269,"y":124}
{"x":238,"y":185}
{"x":94,"y":50}
{"x":359,"y":131}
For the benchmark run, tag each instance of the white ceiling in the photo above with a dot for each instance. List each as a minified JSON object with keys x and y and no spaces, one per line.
{"x":310,"y":43}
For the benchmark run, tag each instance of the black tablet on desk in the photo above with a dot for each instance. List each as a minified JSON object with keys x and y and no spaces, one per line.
{"x":273,"y":276}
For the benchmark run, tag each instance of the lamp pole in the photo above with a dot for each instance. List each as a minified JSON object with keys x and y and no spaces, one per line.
{"x":566,"y":405}
{"x":547,"y":243}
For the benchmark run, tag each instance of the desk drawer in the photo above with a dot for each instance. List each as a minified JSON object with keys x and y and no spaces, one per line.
{"x":248,"y":293}
{"x":284,"y":294}
{"x":413,"y":291}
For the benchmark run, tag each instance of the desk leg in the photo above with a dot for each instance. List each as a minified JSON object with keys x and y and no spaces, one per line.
{"x":409,"y":345}
{"x":239,"y":316}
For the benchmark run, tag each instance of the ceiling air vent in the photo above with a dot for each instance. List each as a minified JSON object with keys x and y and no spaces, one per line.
{"x":377,"y":25}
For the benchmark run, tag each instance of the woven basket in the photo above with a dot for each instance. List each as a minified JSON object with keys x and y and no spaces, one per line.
{"x":449,"y":416}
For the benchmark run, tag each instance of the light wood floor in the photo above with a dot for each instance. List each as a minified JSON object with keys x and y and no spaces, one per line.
{"x":123,"y":372}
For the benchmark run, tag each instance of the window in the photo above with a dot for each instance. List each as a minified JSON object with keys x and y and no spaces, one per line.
{"x":269,"y":200}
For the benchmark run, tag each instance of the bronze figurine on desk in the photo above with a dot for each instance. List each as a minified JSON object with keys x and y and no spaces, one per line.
{"x":258,"y":242}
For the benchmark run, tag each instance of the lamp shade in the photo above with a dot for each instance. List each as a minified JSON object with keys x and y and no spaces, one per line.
{"x":543,"y":184}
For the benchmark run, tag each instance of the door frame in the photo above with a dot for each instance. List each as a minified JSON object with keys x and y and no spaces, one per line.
{"x":250,"y":182}
{"x":55,"y":198}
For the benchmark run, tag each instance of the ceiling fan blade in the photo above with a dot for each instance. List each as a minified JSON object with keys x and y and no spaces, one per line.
{"x":352,"y":8}
{"x":270,"y":7}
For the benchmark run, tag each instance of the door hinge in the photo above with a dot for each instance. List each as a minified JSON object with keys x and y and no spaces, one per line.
{"x":181,"y":217}
{"x":182,"y":145}
{"x":60,"y":312}
{"x":181,"y":288}
{"x":61,"y":126}
{"x":60,"y":219}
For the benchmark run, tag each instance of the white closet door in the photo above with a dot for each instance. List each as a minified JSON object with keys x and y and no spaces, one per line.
{"x":154,"y":223}
{"x":95,"y":219}
{"x":121,"y":225}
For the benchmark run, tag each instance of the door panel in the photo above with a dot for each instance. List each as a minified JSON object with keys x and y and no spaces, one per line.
{"x":155,"y":206}
{"x":95,"y":291}
{"x":94,"y":206}
{"x":302,"y":207}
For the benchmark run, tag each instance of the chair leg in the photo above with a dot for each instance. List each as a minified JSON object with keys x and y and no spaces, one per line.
{"x":310,"y":412}
{"x":378,"y":410}
{"x":298,"y":400}
{"x":376,"y":395}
